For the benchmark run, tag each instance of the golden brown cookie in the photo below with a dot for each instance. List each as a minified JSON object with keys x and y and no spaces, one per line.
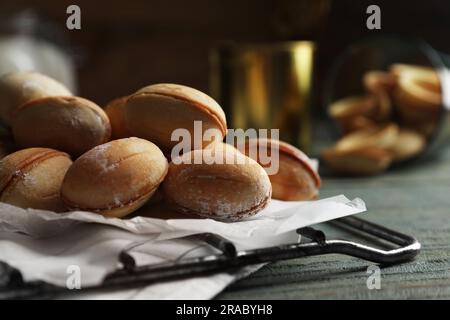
{"x":295,"y":178}
{"x":32,"y":178}
{"x":18,"y":88}
{"x":70,"y":124}
{"x":232,"y":187}
{"x":115,"y":178}
{"x":156,"y":111}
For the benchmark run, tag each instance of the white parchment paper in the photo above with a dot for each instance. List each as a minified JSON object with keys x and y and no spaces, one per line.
{"x":43,"y":244}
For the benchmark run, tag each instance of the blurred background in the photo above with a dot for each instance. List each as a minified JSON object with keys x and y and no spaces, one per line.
{"x":125,"y":45}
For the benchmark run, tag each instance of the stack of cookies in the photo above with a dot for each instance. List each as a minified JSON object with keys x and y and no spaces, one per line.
{"x":61,"y":152}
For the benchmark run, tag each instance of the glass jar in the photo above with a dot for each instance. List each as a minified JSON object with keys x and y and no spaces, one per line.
{"x":389,"y":54}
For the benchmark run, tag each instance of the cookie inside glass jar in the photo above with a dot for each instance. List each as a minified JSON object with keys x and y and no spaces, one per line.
{"x":397,"y":114}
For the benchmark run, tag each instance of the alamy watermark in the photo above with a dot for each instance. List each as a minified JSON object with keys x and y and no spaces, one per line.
{"x":251,"y":141}
{"x":73,"y":281}
{"x":73,"y":21}
{"x":373,"y":22}
{"x":374,"y":279}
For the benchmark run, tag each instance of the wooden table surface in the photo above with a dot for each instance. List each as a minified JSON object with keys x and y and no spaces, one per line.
{"x":414,"y":200}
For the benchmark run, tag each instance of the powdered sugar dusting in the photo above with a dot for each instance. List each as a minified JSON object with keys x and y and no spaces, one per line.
{"x":117,"y":201}
{"x":28,"y":179}
{"x":99,"y":156}
{"x":98,"y":152}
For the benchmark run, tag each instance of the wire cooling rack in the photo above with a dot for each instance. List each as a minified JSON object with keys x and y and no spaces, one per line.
{"x":230,"y":259}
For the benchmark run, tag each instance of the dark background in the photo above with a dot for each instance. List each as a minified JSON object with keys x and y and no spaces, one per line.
{"x":124,"y":45}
